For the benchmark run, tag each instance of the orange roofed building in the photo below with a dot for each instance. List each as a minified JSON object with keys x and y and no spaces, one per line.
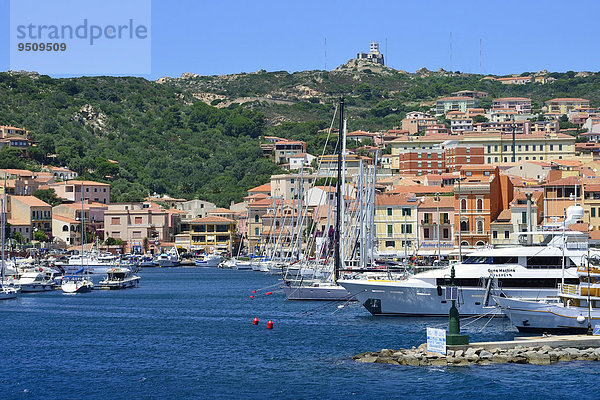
{"x":479,"y":196}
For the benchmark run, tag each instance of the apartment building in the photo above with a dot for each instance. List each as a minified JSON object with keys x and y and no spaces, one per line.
{"x":210,"y":234}
{"x":284,"y":149}
{"x":74,"y":190}
{"x":32,"y":212}
{"x":134,"y":222}
{"x":436,"y":214}
{"x":457,"y":103}
{"x":396,"y":224}
{"x":563,"y":105}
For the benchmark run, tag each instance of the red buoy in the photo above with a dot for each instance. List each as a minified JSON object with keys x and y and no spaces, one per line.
{"x":269,"y":324}
{"x":268,"y":293}
{"x":255,"y":321}
{"x":251,"y":297}
{"x":254,"y":291}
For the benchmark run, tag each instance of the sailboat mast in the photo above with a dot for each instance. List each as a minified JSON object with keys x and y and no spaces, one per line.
{"x":2,"y":226}
{"x":338,"y":193}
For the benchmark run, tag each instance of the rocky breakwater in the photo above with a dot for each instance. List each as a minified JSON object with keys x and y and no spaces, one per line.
{"x":419,"y":356}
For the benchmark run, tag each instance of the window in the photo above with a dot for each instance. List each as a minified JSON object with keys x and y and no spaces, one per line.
{"x":95,"y":190}
{"x":406,"y":228}
{"x":137,"y":234}
{"x":468,"y":173}
{"x":523,"y":217}
{"x":426,"y":233}
{"x":533,"y":147}
{"x":479,"y":226}
{"x":486,"y":173}
{"x":389,"y":211}
{"x":489,"y":160}
{"x":551,"y":147}
{"x":138,"y":220}
{"x":463,"y":204}
{"x":446,"y":233}
{"x":464,"y":226}
{"x":256,"y":218}
{"x":479,"y":204}
{"x":115,"y":221}
{"x":390,"y":230}
{"x":526,"y":149}
{"x":506,"y":234}
{"x":255,"y":231}
{"x":494,"y":234}
{"x":593,"y":212}
{"x":390,"y":243}
{"x":406,"y":212}
{"x":65,"y":228}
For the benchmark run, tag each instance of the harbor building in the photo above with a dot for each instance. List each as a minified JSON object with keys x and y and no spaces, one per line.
{"x":480,"y":195}
{"x":196,"y":208}
{"x":396,"y":224}
{"x":66,"y":230}
{"x":210,"y":234}
{"x":138,"y":225}
{"x":559,"y":194}
{"x":31,"y":212}
{"x":284,"y":149}
{"x":436,"y":213}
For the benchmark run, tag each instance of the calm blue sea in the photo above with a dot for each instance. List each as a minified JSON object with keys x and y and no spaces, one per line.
{"x":188,"y":333}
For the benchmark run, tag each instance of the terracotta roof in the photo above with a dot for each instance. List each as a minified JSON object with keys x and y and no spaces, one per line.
{"x":19,"y":172}
{"x":511,"y":98}
{"x":455,"y":98}
{"x":31,"y":201}
{"x":79,"y":183}
{"x":395,"y":200}
{"x":567,"y":163}
{"x":421,"y":189}
{"x":212,"y":220}
{"x":16,"y":222}
{"x":65,"y":219}
{"x":445,"y":202}
{"x":503,"y":217}
{"x":567,"y":181}
{"x":221,"y":210}
{"x":567,"y":99}
{"x":262,"y":188}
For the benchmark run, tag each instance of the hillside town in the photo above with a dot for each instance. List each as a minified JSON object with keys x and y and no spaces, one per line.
{"x":459,"y":176}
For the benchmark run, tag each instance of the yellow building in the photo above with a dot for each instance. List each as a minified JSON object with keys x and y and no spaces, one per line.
{"x":563,"y":105}
{"x":498,"y":148}
{"x":210,"y":233}
{"x":396,"y":224}
{"x":591,"y":205}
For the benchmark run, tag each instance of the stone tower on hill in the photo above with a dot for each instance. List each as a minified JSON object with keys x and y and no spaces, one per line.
{"x":374,"y":55}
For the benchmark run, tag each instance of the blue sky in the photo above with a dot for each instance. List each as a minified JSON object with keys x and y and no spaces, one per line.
{"x":223,"y":37}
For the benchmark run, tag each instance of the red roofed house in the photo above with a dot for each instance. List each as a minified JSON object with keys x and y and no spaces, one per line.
{"x":31,"y":211}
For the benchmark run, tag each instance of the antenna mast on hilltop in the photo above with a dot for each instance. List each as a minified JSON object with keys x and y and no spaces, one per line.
{"x":480,"y":63}
{"x":450,"y":51}
{"x":325,"y":54}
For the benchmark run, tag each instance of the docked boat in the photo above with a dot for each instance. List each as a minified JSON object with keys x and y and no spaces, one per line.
{"x":532,"y":272}
{"x":119,"y":278}
{"x":147,"y":261}
{"x":93,"y":263}
{"x":575,"y":310}
{"x":208,"y":260}
{"x":242,"y":265}
{"x":169,"y":259}
{"x":77,"y":283}
{"x":318,"y":290}
{"x":35,"y":281}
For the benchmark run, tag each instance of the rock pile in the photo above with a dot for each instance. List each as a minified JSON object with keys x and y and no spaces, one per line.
{"x":544,"y":355}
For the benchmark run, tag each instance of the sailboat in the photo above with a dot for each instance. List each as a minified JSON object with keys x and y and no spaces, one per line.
{"x":77,"y":283}
{"x":6,"y":291}
{"x":328,"y":289}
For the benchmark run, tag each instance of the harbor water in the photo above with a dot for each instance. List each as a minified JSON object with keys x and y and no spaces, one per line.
{"x":187,"y":333}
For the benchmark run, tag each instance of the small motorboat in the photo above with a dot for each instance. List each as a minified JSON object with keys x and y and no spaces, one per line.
{"x":209,"y":260}
{"x":119,"y":278}
{"x":8,"y":292}
{"x":35,"y":281}
{"x":77,"y":283}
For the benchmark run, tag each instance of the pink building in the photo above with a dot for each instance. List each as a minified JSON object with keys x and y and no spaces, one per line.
{"x":72,"y":191}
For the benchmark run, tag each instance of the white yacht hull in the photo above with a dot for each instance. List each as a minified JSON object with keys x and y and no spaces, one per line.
{"x":392,"y":298}
{"x":119,"y":284}
{"x":533,"y":316}
{"x":327,"y":292}
{"x":7,"y":293}
{"x":209,"y":262}
{"x":36,"y":287}
{"x":168,"y":263}
{"x":243,"y":266}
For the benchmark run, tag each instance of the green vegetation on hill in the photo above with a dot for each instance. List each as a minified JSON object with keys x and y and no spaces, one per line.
{"x":162,"y":142}
{"x":164,"y":139}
